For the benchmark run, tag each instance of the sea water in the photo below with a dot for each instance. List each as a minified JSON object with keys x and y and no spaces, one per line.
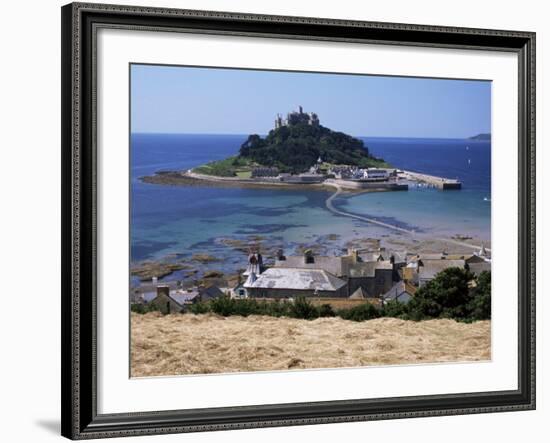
{"x":181,"y":220}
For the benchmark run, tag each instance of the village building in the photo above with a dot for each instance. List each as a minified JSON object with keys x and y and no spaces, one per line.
{"x":479,"y":262}
{"x":370,"y":271}
{"x":164,"y":303}
{"x":428,"y":269}
{"x":375,"y":174}
{"x":293,"y":282}
{"x":167,"y":299}
{"x":375,"y":278}
{"x":401,"y":292}
{"x":239,"y":291}
{"x":421,"y":268}
{"x":359,"y":294}
{"x":304,"y":178}
{"x":265,"y":172}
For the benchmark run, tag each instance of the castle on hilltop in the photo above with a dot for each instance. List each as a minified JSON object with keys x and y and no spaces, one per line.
{"x":293,"y":118}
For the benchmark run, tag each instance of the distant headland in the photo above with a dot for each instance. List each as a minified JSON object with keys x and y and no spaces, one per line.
{"x":482,"y":137}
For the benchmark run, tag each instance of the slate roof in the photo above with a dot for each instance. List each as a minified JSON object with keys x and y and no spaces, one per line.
{"x":368,"y":269}
{"x":396,"y":291}
{"x":478,"y":268}
{"x":372,"y":256}
{"x":329,"y":264}
{"x":297,"y":278}
{"x":210,"y":292}
{"x":430,"y":268}
{"x":183,"y":297}
{"x":398,"y":256}
{"x":359,"y":294}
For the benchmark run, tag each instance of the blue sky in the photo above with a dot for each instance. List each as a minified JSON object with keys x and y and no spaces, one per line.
{"x":169,"y":99}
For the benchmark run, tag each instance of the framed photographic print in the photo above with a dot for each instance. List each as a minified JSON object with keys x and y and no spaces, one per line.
{"x":273,"y":221}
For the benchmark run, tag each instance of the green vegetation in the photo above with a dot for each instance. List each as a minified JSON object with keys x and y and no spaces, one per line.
{"x":229,"y":167}
{"x":363,"y":312}
{"x":140,"y":308}
{"x":449,"y":295}
{"x":295,"y":148}
{"x":454,"y":293}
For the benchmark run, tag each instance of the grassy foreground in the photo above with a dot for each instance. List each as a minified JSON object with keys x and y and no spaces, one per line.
{"x":208,"y":343}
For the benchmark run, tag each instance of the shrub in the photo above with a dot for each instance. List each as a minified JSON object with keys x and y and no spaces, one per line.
{"x":223,"y":306}
{"x":444,"y":296}
{"x":362,"y":312}
{"x":275,"y":308}
{"x":393,"y":308}
{"x":303,"y":308}
{"x":141,"y":308}
{"x":479,"y":306}
{"x":244,"y":307}
{"x":138,"y":308}
{"x":325,"y":310}
{"x":448,"y":295}
{"x":199,"y":308}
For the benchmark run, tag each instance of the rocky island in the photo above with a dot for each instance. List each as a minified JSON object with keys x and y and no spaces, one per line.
{"x":297,"y":151}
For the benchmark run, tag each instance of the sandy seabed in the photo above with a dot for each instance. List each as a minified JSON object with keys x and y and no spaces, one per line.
{"x":180,"y":344}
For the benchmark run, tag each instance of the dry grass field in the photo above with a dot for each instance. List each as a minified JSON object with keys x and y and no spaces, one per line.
{"x":201,"y":344}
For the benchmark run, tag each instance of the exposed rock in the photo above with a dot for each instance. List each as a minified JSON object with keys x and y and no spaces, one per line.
{"x":204,"y":258}
{"x":213,"y":274}
{"x":148,"y":270}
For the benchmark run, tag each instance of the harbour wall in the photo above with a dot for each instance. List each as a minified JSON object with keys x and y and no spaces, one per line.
{"x":438,"y":182}
{"x":353,"y":184}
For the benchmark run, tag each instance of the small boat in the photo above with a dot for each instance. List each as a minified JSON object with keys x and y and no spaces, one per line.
{"x":487,"y":199}
{"x":467,"y":148}
{"x":469,"y":161}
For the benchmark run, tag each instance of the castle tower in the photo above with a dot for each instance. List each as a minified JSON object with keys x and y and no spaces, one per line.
{"x":300,"y":110}
{"x":278,"y":121}
{"x":313,"y":119}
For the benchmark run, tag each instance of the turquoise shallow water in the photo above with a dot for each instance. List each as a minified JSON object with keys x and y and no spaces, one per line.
{"x":184,"y":220}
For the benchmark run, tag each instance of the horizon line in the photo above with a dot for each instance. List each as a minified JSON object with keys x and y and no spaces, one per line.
{"x":360,"y":136}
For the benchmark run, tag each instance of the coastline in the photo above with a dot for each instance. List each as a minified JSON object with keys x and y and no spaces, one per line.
{"x":177,"y":178}
{"x":201,"y":266}
{"x":190,"y":178}
{"x":287,"y":231}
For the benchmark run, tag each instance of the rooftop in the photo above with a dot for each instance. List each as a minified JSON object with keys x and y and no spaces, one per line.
{"x":300,"y":279}
{"x":326,"y":263}
{"x":429,"y":268}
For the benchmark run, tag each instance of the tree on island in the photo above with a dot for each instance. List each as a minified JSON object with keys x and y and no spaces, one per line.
{"x":294,"y":145}
{"x":297,"y":145}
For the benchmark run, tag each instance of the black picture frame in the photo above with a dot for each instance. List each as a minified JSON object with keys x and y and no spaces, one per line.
{"x":79,"y":211}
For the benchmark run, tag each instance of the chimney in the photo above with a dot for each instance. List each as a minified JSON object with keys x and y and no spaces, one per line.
{"x":354,"y":254}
